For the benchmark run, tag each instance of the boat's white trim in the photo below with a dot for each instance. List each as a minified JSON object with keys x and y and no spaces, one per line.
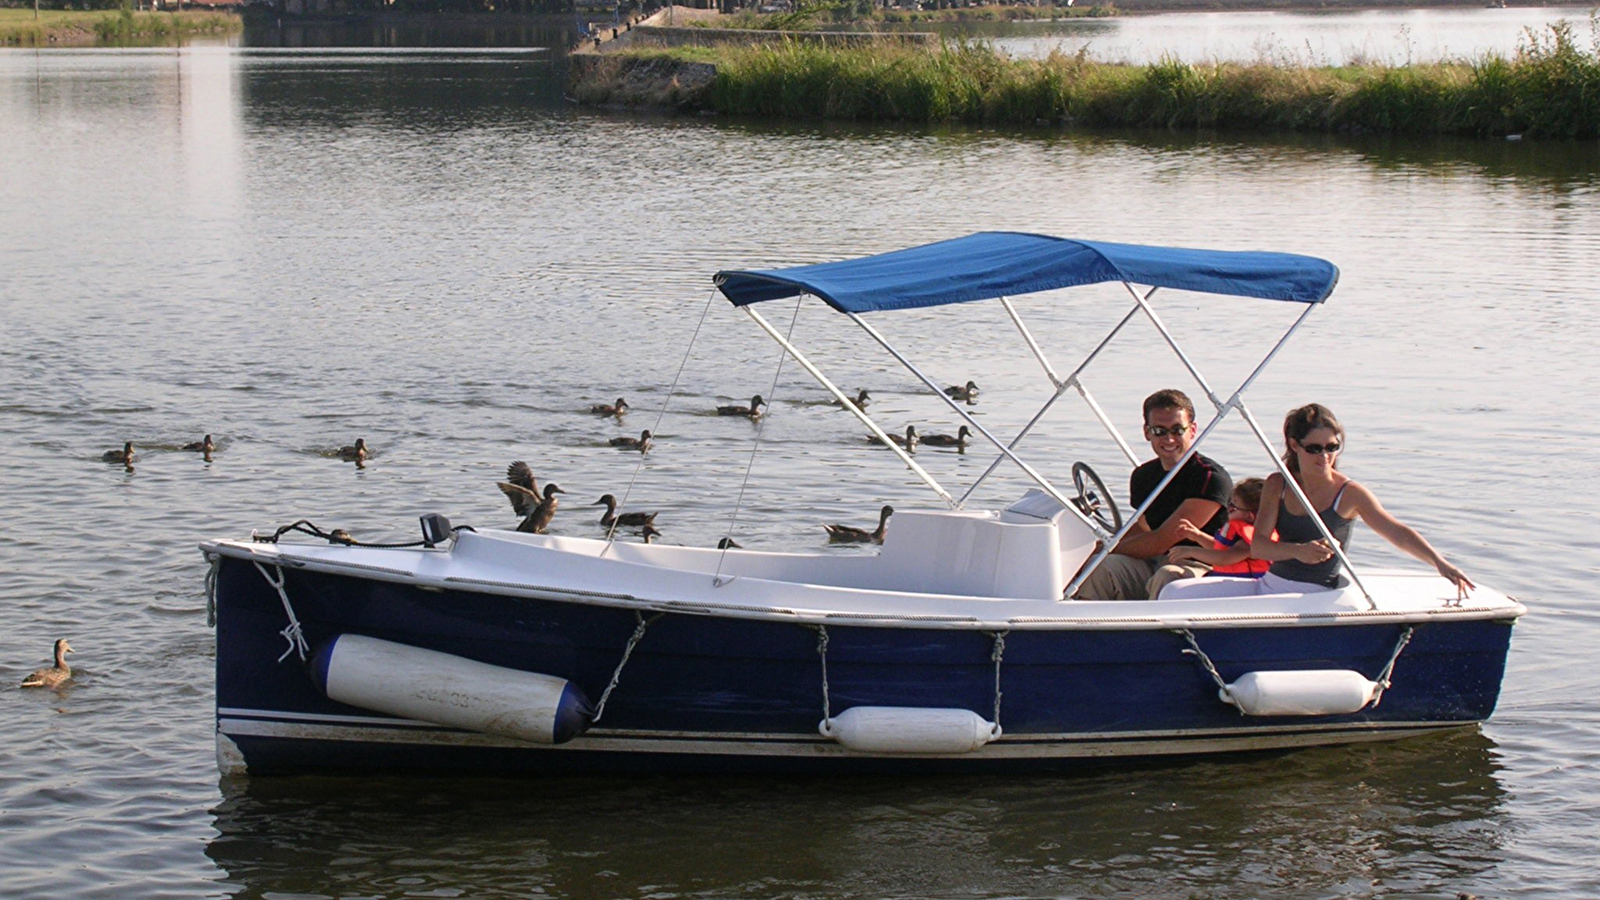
{"x":1033,"y":746}
{"x":1171,"y":618}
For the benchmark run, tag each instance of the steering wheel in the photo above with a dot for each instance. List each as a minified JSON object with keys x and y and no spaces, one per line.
{"x":1093,"y":499}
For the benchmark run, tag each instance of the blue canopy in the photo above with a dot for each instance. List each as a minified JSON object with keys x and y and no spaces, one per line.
{"x":1002,"y":263}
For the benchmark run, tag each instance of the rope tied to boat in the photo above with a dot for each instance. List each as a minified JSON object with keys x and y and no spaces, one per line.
{"x":1205,"y":663}
{"x":616,"y":676}
{"x":822,"y":651}
{"x":1383,"y":678}
{"x":997,"y":655}
{"x":292,"y":633}
{"x":215,"y":561}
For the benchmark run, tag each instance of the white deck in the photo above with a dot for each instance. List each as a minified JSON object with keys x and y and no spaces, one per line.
{"x":955,"y":569}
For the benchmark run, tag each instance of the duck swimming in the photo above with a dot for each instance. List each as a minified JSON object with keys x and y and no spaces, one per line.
{"x":356,"y":453}
{"x":968,"y":392}
{"x":846,"y":534}
{"x":626,"y":520}
{"x":750,"y":412}
{"x":860,"y":402}
{"x":909,"y":442}
{"x":728,"y":543}
{"x":607,"y":409}
{"x":520,"y":488}
{"x":206,"y":446}
{"x":640,"y":443}
{"x":55,"y":675}
{"x":649,"y":531}
{"x":959,"y":441}
{"x":123,"y":456}
{"x":539,"y":519}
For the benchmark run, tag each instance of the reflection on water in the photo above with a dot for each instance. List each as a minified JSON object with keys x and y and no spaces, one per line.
{"x":1415,"y":816}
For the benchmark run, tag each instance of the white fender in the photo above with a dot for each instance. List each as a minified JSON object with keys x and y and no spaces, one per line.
{"x":904,"y":729}
{"x":1308,"y":692}
{"x":430,"y":686}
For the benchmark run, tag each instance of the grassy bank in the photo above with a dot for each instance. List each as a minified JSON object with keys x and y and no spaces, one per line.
{"x":1549,"y":88}
{"x":818,"y":15}
{"x":18,"y":27}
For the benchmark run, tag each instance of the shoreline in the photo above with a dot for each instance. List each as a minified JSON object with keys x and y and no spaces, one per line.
{"x":113,"y":28}
{"x":1542,"y":91}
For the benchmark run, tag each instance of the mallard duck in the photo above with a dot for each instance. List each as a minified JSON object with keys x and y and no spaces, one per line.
{"x":750,"y":412}
{"x":54,"y":675}
{"x":356,"y":453}
{"x":728,"y":543}
{"x":626,"y":520}
{"x":909,"y":442}
{"x":649,"y":531}
{"x":846,"y":534}
{"x":539,"y":519}
{"x":640,"y":443}
{"x":860,"y":402}
{"x":607,"y":409}
{"x":969,"y":392}
{"x":959,"y":441}
{"x":520,"y":488}
{"x":123,"y":456}
{"x":206,"y":446}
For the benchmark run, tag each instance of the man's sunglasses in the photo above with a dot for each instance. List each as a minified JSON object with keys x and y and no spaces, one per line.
{"x":1158,"y":431}
{"x":1319,"y":449}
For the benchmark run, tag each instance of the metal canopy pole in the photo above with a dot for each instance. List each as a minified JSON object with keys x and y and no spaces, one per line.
{"x":1072,"y":381}
{"x":1039,"y":479}
{"x":1033,"y":345}
{"x":849,"y":404}
{"x":1237,"y":400}
{"x":1234,"y":402}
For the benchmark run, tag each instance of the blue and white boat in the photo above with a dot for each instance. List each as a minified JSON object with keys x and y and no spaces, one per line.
{"x":954,"y":648}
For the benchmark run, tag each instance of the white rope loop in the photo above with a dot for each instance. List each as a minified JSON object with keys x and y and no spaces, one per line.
{"x":822,"y":651}
{"x":1388,"y":669}
{"x":997,"y":655}
{"x":1205,"y":663}
{"x":616,"y":675}
{"x":292,"y":633}
{"x":215,"y":561}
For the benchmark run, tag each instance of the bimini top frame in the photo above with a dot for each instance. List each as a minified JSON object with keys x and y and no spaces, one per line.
{"x":999,"y":265}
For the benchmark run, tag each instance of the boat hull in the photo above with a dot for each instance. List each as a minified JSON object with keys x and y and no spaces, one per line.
{"x":699,"y":690}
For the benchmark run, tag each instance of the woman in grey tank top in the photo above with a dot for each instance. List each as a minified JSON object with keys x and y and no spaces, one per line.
{"x":1301,"y":558}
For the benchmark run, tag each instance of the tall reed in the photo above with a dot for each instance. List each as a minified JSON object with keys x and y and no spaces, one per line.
{"x":1550,"y":88}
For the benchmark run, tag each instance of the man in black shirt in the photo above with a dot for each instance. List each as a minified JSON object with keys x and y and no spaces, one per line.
{"x":1138,"y":568}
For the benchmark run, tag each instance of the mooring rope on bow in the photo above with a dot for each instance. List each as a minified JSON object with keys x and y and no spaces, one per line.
{"x":215,"y":562}
{"x":293,"y":633}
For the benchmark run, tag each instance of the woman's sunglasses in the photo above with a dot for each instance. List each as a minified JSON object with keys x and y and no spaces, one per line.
{"x":1319,"y":449}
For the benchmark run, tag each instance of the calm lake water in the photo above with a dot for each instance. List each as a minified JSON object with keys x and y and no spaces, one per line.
{"x":291,"y":249}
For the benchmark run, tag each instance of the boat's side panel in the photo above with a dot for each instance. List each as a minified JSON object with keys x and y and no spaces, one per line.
{"x":703,"y":691}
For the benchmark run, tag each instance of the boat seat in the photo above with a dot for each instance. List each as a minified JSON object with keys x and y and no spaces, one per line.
{"x":1025,"y":552}
{"x":1210,"y":587}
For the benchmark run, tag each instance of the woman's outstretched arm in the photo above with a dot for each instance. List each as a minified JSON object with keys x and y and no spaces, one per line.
{"x":1401,"y":535}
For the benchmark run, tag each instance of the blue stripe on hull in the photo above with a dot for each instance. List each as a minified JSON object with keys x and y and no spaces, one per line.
{"x":707,"y":675}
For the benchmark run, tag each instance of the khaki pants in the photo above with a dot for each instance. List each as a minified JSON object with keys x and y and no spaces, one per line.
{"x":1126,"y":578}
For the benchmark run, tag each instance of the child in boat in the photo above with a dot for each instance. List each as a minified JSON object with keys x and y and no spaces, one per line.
{"x":1229,"y":553}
